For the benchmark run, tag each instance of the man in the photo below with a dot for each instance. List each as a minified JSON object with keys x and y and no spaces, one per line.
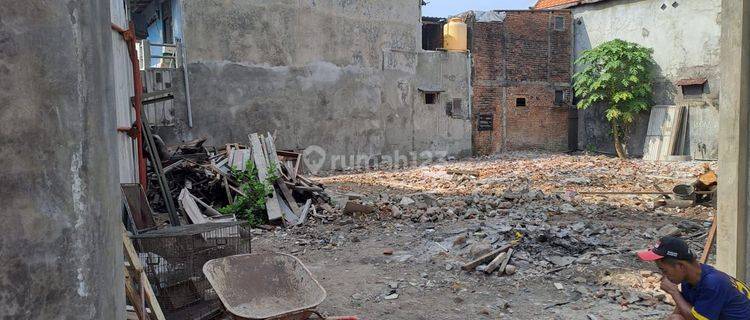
{"x":706,"y":293}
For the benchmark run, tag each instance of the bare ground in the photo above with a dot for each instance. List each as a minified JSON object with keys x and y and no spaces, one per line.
{"x":516,"y":198}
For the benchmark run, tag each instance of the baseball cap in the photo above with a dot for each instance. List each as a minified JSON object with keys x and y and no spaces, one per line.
{"x":668,"y":247}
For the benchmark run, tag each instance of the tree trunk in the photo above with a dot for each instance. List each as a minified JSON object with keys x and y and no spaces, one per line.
{"x":619,"y":147}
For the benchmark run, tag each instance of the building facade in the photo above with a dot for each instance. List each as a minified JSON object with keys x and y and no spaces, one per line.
{"x":521,"y":80}
{"x":348,"y":78}
{"x":685,"y":38}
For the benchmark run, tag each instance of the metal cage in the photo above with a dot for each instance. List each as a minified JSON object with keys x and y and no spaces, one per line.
{"x":173,"y":259}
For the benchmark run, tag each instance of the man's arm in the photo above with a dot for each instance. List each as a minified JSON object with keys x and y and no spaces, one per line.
{"x":683,"y":307}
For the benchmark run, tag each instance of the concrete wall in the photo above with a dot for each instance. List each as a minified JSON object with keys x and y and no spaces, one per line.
{"x":520,"y":54}
{"x":60,"y":239}
{"x":733,"y":225}
{"x":342,"y":75}
{"x":685,"y":39}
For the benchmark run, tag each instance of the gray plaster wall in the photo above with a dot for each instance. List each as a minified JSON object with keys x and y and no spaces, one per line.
{"x":342,"y":75}
{"x":60,"y":236}
{"x":685,"y":39}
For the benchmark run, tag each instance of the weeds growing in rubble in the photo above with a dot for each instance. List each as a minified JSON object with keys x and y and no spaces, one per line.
{"x":251,"y":206}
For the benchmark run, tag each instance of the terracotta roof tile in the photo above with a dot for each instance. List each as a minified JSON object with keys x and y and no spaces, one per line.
{"x":547,"y":4}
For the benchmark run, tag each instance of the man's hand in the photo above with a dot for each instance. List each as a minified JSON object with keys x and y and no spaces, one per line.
{"x":669,"y":287}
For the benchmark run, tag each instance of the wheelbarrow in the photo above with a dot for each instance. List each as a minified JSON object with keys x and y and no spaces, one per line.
{"x":265,"y":286}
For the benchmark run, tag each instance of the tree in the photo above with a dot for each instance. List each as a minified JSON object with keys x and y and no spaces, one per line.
{"x":616,"y":74}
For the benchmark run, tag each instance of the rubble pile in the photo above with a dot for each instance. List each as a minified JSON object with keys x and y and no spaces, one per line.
{"x":205,"y":182}
{"x":532,"y":208}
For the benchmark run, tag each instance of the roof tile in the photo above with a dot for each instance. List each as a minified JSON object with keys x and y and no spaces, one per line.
{"x":547,"y":4}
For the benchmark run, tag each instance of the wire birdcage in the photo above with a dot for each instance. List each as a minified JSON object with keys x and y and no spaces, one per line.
{"x":173,"y":259}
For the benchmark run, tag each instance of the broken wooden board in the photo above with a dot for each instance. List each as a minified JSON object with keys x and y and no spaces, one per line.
{"x":272,"y":204}
{"x":709,"y":242}
{"x":661,"y":124}
{"x":506,"y":259}
{"x":237,"y":158}
{"x":210,"y":211}
{"x":191,"y":208}
{"x":487,"y":257}
{"x":304,"y":213}
{"x":147,"y":297}
{"x":290,"y":219}
{"x":495,"y":263}
{"x":285,"y":191}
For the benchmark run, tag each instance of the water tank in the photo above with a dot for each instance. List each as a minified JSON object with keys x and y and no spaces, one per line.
{"x":454,"y":35}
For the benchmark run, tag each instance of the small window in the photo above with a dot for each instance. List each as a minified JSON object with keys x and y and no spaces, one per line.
{"x":484,"y":122}
{"x":559,"y":23}
{"x":692,"y":90}
{"x":559,"y":97}
{"x":520,"y":102}
{"x":430,"y":97}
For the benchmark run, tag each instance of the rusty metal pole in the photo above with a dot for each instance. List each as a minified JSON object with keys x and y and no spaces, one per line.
{"x":129,"y":37}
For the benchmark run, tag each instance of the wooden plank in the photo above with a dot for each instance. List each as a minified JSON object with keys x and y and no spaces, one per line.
{"x":709,"y":242}
{"x":487,"y":257}
{"x":272,"y":205}
{"x":135,"y":298}
{"x":505,"y":261}
{"x":290,"y":218}
{"x":191,"y":208}
{"x":228,"y":189}
{"x":132,"y":258}
{"x":660,"y":127}
{"x":211,"y":212}
{"x":674,"y":137}
{"x":495,"y":263}
{"x":285,"y":191}
{"x":305,"y":210}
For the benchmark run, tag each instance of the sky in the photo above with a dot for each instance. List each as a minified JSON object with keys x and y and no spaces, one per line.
{"x":444,"y":8}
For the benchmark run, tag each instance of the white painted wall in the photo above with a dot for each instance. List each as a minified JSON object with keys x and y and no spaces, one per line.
{"x":685,"y":38}
{"x":123,"y":82}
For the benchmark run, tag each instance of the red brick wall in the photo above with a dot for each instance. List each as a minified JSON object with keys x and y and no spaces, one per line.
{"x":521,"y":56}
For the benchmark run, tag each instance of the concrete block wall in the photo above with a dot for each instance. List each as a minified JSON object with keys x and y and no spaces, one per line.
{"x":341,"y":75}
{"x":521,"y":56}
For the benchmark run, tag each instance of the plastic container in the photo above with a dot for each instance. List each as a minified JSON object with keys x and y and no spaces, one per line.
{"x":454,"y":35}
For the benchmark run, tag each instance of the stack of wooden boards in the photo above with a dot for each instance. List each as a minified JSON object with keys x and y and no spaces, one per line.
{"x":282,"y":204}
{"x":202,"y":179}
{"x":667,"y":133}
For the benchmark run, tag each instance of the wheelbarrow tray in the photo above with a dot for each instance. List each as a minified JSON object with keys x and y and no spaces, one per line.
{"x":264,"y":285}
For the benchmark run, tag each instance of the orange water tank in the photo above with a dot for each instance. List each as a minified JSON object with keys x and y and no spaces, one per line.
{"x":454,"y":35}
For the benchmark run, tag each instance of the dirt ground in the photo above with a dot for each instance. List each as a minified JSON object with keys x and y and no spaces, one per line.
{"x":574,"y":253}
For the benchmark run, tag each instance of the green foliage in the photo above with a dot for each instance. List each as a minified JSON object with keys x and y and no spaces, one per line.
{"x":591,"y":148}
{"x":616,"y":73}
{"x":272,"y":173}
{"x":252,"y":205}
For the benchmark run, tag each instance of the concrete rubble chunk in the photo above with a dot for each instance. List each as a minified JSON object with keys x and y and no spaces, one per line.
{"x":405,"y":201}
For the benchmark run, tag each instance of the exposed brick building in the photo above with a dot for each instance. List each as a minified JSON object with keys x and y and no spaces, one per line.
{"x":521,"y":79}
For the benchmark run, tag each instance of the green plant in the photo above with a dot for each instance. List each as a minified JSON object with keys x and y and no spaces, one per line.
{"x":250,"y":206}
{"x":591,"y":148}
{"x":617,"y":74}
